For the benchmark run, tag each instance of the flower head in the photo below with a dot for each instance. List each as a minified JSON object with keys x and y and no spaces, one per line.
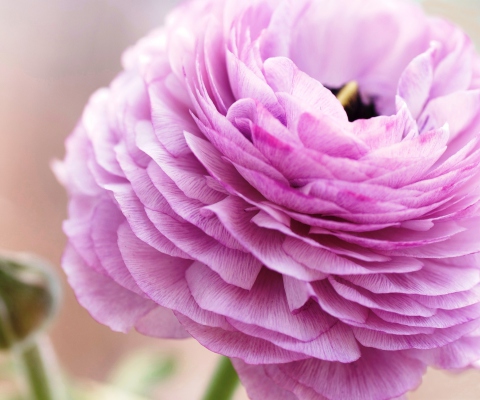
{"x":220,"y":189}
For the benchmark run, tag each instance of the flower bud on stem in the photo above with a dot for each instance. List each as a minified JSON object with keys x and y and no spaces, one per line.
{"x":29,"y":297}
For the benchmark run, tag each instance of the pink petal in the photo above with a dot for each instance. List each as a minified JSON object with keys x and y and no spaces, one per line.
{"x":264,"y":305}
{"x":161,"y":323}
{"x":338,"y":306}
{"x":233,"y":343}
{"x":264,"y":244}
{"x":140,"y":223}
{"x":442,"y":110}
{"x":416,"y":81}
{"x":336,"y":344}
{"x":433,"y":279}
{"x":217,"y":72}
{"x":441,"y":319}
{"x":450,"y":301}
{"x":234,"y":266}
{"x":105,"y":222}
{"x":377,"y":375}
{"x":190,"y":209}
{"x":453,"y":71}
{"x":258,"y":384}
{"x":95,"y":292}
{"x":298,"y":293}
{"x":187,"y":173}
{"x":245,"y":84}
{"x":327,"y":135}
{"x":97,"y":127}
{"x":440,"y":337}
{"x":162,"y":277}
{"x":459,"y":354}
{"x":283,"y":76}
{"x":394,"y":302}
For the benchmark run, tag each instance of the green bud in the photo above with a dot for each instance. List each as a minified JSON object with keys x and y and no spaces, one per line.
{"x":29,"y":298}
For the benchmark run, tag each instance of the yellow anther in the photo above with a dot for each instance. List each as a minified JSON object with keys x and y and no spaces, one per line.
{"x":348,"y":94}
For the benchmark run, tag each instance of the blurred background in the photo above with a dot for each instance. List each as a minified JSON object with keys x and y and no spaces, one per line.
{"x":53,"y":55}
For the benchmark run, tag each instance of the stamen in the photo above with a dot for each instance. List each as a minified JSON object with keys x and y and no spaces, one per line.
{"x":348,"y":94}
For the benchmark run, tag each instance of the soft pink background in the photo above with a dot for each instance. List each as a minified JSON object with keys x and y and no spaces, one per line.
{"x":53,"y":55}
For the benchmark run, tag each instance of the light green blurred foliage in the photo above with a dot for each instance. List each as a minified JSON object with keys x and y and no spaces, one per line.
{"x":136,"y":377}
{"x":8,"y":380}
{"x":142,"y":371}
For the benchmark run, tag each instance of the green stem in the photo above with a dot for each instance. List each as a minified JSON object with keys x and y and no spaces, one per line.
{"x":33,"y":363}
{"x":224,"y":382}
{"x":35,"y":372}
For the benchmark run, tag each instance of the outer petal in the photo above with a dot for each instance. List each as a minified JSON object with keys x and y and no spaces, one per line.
{"x":377,"y":375}
{"x":233,"y":343}
{"x":258,"y":384}
{"x":95,"y":292}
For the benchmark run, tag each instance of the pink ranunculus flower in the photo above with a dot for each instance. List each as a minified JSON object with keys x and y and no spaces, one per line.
{"x":220,"y":190}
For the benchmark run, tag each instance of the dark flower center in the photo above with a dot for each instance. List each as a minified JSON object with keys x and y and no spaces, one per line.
{"x":349,"y":96}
